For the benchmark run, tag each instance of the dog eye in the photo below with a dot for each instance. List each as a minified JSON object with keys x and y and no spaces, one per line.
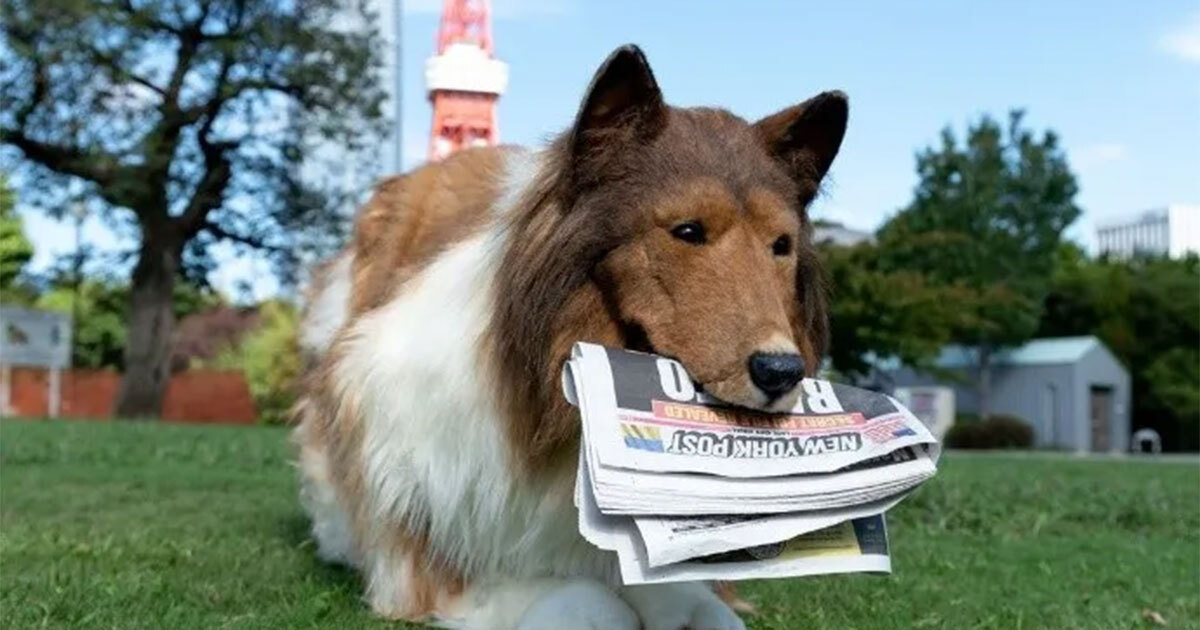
{"x":782,"y":246}
{"x":691,"y":232}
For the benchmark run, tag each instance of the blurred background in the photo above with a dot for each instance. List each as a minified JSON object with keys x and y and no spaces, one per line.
{"x":1010,"y":233}
{"x":1015,"y":204}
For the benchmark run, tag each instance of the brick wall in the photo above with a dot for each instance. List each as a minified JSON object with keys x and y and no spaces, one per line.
{"x":205,"y":396}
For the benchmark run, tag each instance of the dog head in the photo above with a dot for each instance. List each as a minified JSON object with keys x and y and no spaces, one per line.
{"x":704,"y":250}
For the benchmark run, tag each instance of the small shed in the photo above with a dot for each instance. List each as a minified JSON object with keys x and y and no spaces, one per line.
{"x":1072,"y":390}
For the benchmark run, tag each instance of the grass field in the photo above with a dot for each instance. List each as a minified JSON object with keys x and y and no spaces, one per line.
{"x":156,"y":526}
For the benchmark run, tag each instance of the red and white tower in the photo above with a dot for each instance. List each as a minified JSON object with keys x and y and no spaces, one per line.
{"x":464,"y":80}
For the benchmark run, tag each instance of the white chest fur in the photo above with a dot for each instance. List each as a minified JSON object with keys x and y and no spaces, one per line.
{"x":434,"y":450}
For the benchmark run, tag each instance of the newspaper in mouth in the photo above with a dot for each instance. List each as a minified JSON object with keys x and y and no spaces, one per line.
{"x":683,"y":487}
{"x":644,"y":414}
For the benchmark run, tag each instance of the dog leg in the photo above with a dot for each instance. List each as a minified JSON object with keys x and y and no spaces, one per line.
{"x":679,"y":606}
{"x":330,"y":523}
{"x":542,"y":604}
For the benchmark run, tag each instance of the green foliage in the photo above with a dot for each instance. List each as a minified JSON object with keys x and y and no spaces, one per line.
{"x":197,"y":122}
{"x":15,"y":249}
{"x":990,"y":212}
{"x":987,"y":219}
{"x":884,"y":313}
{"x":965,"y":417}
{"x":1147,"y":310}
{"x":136,"y":525}
{"x":100,"y":330}
{"x":169,"y":113}
{"x":1174,"y":380}
{"x":997,"y":432}
{"x":270,"y":358}
{"x":99,"y":333}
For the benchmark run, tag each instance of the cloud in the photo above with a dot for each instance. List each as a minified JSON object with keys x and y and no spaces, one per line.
{"x":503,"y":9}
{"x":1098,"y":154}
{"x":1184,"y":42}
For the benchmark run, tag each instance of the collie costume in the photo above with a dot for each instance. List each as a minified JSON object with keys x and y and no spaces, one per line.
{"x":436,"y":450}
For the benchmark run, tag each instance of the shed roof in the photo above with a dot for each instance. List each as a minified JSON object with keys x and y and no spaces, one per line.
{"x":1047,"y":351}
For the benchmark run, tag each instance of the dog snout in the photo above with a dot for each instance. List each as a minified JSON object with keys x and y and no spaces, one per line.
{"x":776,"y":374}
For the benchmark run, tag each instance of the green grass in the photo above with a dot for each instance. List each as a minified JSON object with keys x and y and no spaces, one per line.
{"x":157,"y":526}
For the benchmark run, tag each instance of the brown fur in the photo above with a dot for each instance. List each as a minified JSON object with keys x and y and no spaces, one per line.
{"x":727,"y":591}
{"x":597,"y":234}
{"x":330,"y":427}
{"x":433,"y":586}
{"x":408,"y":221}
{"x":412,"y":218}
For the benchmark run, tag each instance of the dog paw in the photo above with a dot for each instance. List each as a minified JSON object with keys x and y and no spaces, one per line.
{"x":582,"y":605}
{"x":680,"y":606}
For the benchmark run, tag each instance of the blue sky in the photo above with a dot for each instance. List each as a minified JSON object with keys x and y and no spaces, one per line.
{"x":1118,"y":81}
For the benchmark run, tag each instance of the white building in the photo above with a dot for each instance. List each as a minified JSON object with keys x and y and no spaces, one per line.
{"x":1173,"y":231}
{"x":838,"y":234}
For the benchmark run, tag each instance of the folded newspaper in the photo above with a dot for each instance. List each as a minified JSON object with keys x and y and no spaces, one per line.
{"x":684,"y":487}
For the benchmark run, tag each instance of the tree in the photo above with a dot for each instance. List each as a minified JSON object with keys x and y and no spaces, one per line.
{"x":881,"y":313}
{"x":269,"y":356}
{"x":101,"y":331}
{"x":15,"y":250}
{"x":1147,"y":310}
{"x":1174,"y":380}
{"x":194,"y":122}
{"x":986,"y":219}
{"x":205,"y":335}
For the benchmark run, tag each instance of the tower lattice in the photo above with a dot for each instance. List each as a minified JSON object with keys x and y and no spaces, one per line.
{"x":464,"y":80}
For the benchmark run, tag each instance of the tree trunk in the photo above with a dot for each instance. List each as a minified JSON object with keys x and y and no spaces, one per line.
{"x":151,"y":321}
{"x":985,"y":382}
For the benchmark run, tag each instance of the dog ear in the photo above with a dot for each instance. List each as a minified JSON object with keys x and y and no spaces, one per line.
{"x":623,"y":104}
{"x":806,"y":137}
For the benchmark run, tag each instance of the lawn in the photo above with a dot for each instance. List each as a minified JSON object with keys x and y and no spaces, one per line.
{"x":127,"y":525}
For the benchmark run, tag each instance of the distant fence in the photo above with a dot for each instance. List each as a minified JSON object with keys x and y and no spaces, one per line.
{"x":199,"y":396}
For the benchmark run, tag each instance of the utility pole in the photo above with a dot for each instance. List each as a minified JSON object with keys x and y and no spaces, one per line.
{"x":398,"y":88}
{"x":79,"y":213}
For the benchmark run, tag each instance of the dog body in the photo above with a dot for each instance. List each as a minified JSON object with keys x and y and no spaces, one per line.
{"x":437,"y":454}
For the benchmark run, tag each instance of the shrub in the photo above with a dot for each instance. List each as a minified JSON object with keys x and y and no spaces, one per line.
{"x":965,"y":417}
{"x":996,"y":432}
{"x":270,"y":358}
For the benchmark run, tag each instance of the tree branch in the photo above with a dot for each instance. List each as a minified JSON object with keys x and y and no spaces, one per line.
{"x":102,"y":169}
{"x":123,"y":73}
{"x":222,"y":233}
{"x":233,"y":28}
{"x":231,"y":90}
{"x":40,"y":86}
{"x":99,"y":168}
{"x":210,"y":190}
{"x":144,"y":18}
{"x":163,"y":140}
{"x":189,"y":43}
{"x":210,"y":110}
{"x":267,"y":85}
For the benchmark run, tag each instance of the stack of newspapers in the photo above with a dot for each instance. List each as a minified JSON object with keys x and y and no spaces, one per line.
{"x":683,"y":487}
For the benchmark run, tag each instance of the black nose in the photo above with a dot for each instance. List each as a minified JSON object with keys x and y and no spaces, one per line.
{"x":776,"y":374}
